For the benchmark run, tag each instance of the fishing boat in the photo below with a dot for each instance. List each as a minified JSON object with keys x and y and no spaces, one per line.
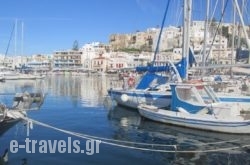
{"x":195,"y":105}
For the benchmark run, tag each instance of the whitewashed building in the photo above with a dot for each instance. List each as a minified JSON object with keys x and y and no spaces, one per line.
{"x":91,"y":51}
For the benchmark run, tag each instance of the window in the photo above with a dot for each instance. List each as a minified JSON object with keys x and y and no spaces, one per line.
{"x":187,"y":95}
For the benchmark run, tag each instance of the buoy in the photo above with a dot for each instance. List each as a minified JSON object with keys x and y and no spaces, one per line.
{"x":124,"y":97}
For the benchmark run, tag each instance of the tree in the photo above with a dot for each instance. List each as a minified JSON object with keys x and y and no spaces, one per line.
{"x":225,"y":32}
{"x":75,"y":45}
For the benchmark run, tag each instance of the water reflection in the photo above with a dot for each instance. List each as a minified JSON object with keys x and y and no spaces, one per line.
{"x":4,"y":149}
{"x":6,"y":125}
{"x":9,"y":88}
{"x":125,"y":118}
{"x":119,"y":123}
{"x":89,"y":90}
{"x":8,"y":91}
{"x":198,"y":145}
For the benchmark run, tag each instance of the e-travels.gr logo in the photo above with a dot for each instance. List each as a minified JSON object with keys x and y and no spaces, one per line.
{"x":53,"y":146}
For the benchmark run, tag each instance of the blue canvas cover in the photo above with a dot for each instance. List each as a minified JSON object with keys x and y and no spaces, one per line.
{"x":176,"y":102}
{"x":181,"y":66}
{"x":148,"y":78}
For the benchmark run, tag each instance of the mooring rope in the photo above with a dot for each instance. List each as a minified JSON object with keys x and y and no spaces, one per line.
{"x":114,"y":142}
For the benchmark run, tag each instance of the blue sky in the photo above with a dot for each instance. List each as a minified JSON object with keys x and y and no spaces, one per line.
{"x":51,"y":25}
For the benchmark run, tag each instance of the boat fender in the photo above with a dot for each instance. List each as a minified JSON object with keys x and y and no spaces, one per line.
{"x":124,"y":97}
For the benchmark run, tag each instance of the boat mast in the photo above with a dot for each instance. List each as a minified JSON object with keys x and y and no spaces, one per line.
{"x":243,"y":26}
{"x":6,"y":52}
{"x":22,"y":38}
{"x":233,"y":36}
{"x":186,"y":35}
{"x":15,"y":37}
{"x":159,"y":38}
{"x":205,"y":38}
{"x":220,"y":31}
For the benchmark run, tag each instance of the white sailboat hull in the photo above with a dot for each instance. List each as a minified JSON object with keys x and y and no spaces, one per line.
{"x":132,"y":98}
{"x":198,"y":121}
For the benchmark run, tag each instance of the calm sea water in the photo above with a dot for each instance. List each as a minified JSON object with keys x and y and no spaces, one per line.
{"x":79,"y":104}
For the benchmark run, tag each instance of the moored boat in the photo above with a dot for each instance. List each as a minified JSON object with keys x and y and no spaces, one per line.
{"x":189,"y":108}
{"x":22,"y":102}
{"x":151,"y":89}
{"x":9,"y":117}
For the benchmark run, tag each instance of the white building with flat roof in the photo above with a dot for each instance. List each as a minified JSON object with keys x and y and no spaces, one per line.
{"x":91,"y":51}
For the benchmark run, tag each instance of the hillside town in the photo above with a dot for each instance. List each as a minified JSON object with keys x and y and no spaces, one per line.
{"x":105,"y":82}
{"x":136,"y":49}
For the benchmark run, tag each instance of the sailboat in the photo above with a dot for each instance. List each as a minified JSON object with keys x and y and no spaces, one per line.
{"x":9,"y":73}
{"x":234,"y":91}
{"x":153,"y":88}
{"x":195,"y":105}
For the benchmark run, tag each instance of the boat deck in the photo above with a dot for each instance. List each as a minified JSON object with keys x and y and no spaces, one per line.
{"x":246,"y":115}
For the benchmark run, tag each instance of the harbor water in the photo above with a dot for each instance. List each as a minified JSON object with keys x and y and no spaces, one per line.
{"x":76,"y":108}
